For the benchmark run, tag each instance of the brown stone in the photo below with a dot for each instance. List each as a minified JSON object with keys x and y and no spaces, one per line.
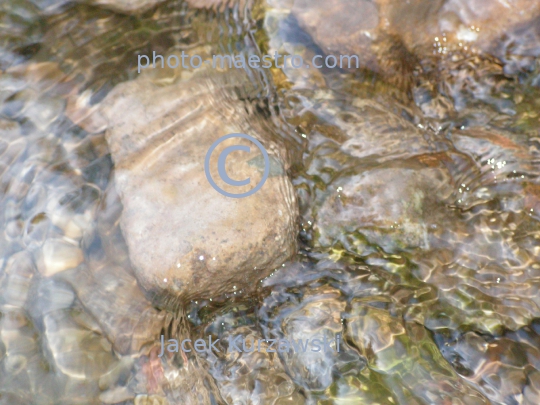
{"x":185,"y":239}
{"x":389,"y":36}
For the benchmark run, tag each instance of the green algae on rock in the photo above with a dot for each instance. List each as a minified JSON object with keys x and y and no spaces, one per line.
{"x":406,"y":357}
{"x":380,"y":188}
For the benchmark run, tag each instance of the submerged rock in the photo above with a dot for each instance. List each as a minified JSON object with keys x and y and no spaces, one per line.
{"x":340,"y":27}
{"x":251,"y":376}
{"x":319,"y":317}
{"x":394,"y":208}
{"x":479,"y":23}
{"x":458,"y":212}
{"x":186,"y":239}
{"x":71,"y":315}
{"x":406,"y":358}
{"x":309,"y":324}
{"x":498,"y":366}
{"x":59,"y":256}
{"x":390,"y":36}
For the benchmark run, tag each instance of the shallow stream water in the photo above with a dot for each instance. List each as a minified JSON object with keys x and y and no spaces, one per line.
{"x":419,"y":233}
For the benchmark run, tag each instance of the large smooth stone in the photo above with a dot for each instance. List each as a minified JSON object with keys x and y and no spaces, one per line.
{"x":185,"y":239}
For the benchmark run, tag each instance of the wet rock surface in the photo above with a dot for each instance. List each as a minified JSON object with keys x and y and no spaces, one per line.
{"x":185,"y":239}
{"x":357,"y":22}
{"x":392,"y":37}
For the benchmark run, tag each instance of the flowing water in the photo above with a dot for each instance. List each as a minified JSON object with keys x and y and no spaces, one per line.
{"x":419,"y":233}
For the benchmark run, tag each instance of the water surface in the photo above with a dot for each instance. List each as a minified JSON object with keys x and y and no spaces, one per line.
{"x":418,"y":223}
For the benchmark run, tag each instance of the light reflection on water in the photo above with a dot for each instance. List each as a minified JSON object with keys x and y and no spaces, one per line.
{"x":419,"y":229}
